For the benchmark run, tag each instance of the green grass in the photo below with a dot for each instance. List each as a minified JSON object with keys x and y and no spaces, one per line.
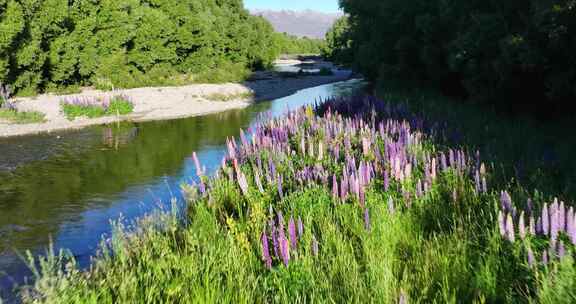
{"x":118,"y":105}
{"x":229,"y":97}
{"x":21,"y":117}
{"x":440,"y":247}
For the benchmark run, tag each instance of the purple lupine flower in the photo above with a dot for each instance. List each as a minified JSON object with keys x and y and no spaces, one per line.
{"x":522,"y":226}
{"x":292,"y":233}
{"x":554,"y":222}
{"x":539,"y":229}
{"x":506,"y":201}
{"x":266,"y":250}
{"x":443,"y":161}
{"x":314,"y":246}
{"x":545,"y":257}
{"x":501,"y":223}
{"x":366,"y":219}
{"x":271,"y":167}
{"x":300,"y":228}
{"x":510,"y":228}
{"x":545,"y":220}
{"x":343,"y":189}
{"x":201,"y":186}
{"x":571,"y":225}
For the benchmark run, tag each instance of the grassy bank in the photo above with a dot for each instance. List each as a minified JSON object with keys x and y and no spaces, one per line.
{"x":20,"y":117}
{"x":358,"y":201}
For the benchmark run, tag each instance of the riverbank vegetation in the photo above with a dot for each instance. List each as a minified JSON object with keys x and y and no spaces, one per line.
{"x":292,"y":45}
{"x":356,"y":200}
{"x":9,"y":112}
{"x":517,"y":55}
{"x":97,"y":107}
{"x":53,"y":45}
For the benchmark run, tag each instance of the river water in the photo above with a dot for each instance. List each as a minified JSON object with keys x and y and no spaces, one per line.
{"x":67,"y":187}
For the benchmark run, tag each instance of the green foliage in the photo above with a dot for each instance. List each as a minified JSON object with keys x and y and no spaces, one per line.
{"x":291,"y":45}
{"x":55,"y":44}
{"x":118,"y":105}
{"x":516,"y":54}
{"x":338,"y":42}
{"x":21,"y":117}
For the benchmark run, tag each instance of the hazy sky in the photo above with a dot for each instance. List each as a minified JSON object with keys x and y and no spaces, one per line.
{"x":329,"y":6}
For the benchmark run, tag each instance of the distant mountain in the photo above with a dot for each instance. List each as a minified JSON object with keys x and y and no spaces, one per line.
{"x":305,"y":23}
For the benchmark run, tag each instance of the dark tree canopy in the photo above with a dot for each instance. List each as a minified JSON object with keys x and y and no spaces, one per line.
{"x":518,"y":53}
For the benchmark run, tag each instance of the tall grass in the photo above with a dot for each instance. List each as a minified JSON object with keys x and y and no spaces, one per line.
{"x":353,"y":201}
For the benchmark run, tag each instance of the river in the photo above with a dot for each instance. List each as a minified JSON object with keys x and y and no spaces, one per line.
{"x":66,"y":187}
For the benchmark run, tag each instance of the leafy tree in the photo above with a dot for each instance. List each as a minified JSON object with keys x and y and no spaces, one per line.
{"x":518,"y":54}
{"x":47,"y":44}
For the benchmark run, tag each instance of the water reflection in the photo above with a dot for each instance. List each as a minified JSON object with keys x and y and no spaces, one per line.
{"x":70,"y":185}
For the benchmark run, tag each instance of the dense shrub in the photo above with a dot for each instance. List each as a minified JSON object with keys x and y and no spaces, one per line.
{"x":53,"y":44}
{"x":521,"y":54}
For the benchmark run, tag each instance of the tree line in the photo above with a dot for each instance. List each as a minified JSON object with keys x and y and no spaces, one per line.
{"x":57,"y":44}
{"x":289,"y":44}
{"x":519,"y":54}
